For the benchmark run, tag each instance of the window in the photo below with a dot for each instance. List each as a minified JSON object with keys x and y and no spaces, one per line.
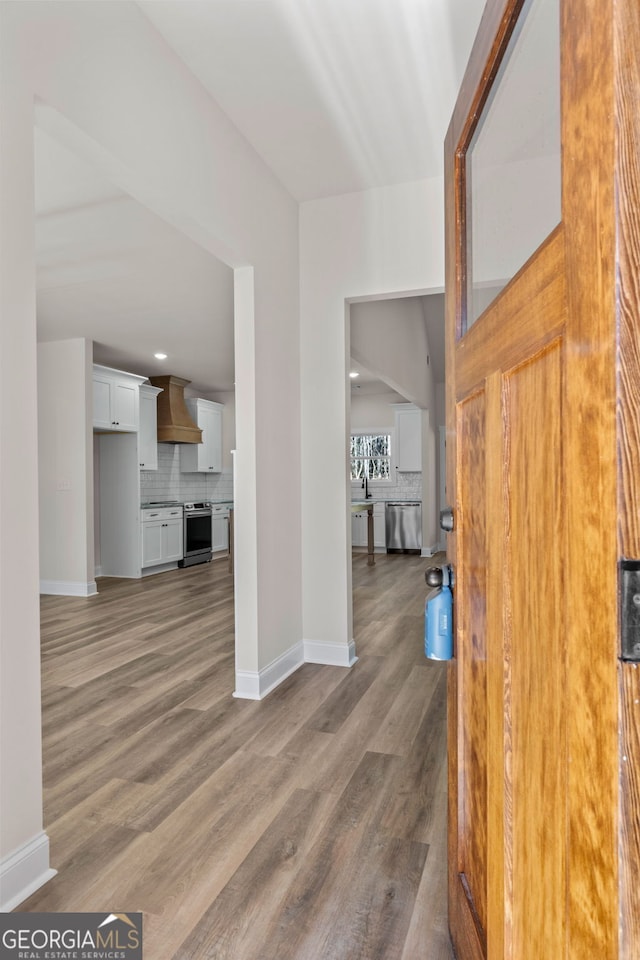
{"x":371,"y":456}
{"x":514,"y":163}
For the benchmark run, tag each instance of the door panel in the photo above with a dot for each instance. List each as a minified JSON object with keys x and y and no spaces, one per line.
{"x":536,"y":818}
{"x":473,"y":693}
{"x":534,"y":662}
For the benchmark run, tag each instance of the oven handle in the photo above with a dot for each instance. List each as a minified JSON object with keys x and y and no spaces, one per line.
{"x":197,"y":513}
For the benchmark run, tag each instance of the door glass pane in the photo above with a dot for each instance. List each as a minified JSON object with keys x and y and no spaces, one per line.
{"x":513,"y":168}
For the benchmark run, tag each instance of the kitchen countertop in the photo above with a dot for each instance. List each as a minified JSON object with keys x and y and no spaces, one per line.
{"x":385,"y":500}
{"x":160,"y":505}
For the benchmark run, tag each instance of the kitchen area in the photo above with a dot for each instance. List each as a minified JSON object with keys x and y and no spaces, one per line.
{"x":185,"y":501}
{"x":396,"y":418}
{"x":136,"y":477}
{"x":387,"y":477}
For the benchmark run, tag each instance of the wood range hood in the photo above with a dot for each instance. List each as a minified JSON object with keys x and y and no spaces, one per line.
{"x":175,"y":424}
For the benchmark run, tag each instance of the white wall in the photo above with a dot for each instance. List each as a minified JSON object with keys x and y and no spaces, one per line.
{"x":370,"y":411}
{"x":374,"y":243}
{"x":111,"y":90}
{"x":389,"y":338}
{"x":440,"y":405}
{"x":24,"y":847}
{"x":65,"y":462}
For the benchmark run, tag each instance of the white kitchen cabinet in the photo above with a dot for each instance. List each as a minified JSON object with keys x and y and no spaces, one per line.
{"x":408,"y":456}
{"x":116,"y":406}
{"x":205,"y":457}
{"x":148,"y":433}
{"x":379,"y":534}
{"x":162,"y":536}
{"x":359,"y":528}
{"x":219,"y":529}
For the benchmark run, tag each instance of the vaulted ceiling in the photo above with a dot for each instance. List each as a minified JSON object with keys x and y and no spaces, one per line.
{"x":335,"y":95}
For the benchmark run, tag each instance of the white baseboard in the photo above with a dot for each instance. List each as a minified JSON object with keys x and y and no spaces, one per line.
{"x":252,"y":685}
{"x":332,"y":654}
{"x":24,"y":871}
{"x":68,"y":588}
{"x":429,"y":551}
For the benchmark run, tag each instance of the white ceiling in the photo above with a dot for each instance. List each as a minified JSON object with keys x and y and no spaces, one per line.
{"x":110,"y":270}
{"x":335,"y":95}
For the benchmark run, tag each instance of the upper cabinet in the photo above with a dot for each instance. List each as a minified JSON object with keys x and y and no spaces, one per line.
{"x":408,"y":419}
{"x":148,"y":435}
{"x":115,"y":400}
{"x":205,"y":457}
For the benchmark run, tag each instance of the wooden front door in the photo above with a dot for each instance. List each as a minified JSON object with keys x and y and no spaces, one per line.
{"x":543,"y":429}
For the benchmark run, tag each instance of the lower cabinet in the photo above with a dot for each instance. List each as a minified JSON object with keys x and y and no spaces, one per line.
{"x":162,"y":539}
{"x":359,"y":528}
{"x":220,"y":529}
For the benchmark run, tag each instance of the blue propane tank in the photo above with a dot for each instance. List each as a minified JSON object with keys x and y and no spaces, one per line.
{"x":438,"y":616}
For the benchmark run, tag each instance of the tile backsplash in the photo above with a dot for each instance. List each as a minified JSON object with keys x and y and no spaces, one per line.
{"x":408,"y":486}
{"x":167,"y":483}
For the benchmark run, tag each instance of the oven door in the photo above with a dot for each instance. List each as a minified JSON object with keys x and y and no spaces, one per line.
{"x":197,"y":532}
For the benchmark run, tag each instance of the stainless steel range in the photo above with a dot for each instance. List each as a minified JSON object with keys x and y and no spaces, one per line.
{"x":197,"y":534}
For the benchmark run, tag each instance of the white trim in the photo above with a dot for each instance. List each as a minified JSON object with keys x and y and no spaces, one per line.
{"x":24,"y":871}
{"x":252,"y":685}
{"x":68,"y":588}
{"x":429,"y":551}
{"x":332,"y":654}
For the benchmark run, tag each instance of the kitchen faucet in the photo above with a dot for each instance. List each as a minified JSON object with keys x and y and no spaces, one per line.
{"x":365,"y":484}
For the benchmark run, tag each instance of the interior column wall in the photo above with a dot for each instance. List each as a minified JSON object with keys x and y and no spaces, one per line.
{"x":65,"y":470}
{"x":375,"y":243}
{"x":24,"y":847}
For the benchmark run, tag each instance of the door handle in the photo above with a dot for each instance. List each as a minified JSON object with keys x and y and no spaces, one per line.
{"x":446,"y":519}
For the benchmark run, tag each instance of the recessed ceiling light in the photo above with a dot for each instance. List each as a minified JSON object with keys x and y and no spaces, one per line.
{"x":354,"y":374}
{"x":160,"y":356}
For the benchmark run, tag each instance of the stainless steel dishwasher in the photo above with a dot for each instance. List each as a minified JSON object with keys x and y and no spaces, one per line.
{"x":403,"y":527}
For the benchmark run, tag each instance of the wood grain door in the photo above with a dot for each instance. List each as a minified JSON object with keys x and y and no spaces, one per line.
{"x":543,"y":408}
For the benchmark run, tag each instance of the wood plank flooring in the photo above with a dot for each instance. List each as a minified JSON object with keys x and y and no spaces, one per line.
{"x":308,"y":826}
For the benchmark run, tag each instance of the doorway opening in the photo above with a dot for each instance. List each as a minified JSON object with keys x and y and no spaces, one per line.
{"x":395,"y":352}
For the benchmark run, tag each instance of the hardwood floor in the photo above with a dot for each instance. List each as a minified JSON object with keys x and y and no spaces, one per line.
{"x":309,"y":825}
